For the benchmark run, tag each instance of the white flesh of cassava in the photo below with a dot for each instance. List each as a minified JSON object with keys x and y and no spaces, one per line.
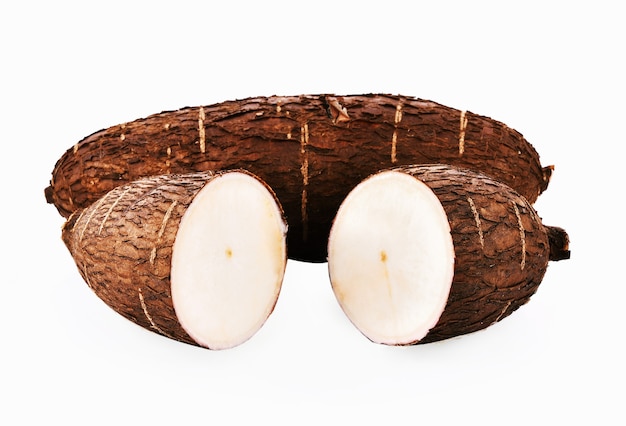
{"x":391,"y":258}
{"x":228,"y":261}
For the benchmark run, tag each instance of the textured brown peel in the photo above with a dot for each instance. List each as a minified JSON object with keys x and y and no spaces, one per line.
{"x":501,"y":249}
{"x":310,"y":149}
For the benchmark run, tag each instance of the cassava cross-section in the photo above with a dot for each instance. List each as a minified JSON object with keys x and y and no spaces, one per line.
{"x":198,"y":257}
{"x":424,"y":253}
{"x":310,"y":149}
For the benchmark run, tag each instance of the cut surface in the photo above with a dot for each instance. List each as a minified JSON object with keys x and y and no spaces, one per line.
{"x":391,"y":258}
{"x":228,"y":261}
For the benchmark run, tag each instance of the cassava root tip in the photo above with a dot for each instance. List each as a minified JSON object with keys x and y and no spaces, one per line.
{"x":559,"y":243}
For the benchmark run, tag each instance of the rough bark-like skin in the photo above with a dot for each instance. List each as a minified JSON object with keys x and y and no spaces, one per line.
{"x":501,"y":248}
{"x":122,"y":245}
{"x":310,"y":149}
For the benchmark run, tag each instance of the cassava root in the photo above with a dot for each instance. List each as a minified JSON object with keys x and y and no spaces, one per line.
{"x":197,"y":257}
{"x":310,"y":149}
{"x":424,"y":253}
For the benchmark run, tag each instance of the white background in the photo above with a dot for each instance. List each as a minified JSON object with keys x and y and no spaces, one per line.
{"x":552,"y":70}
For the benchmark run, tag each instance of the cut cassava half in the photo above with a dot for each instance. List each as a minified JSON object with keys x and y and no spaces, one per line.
{"x":419,"y":254}
{"x":198,"y":258}
{"x":310,"y":149}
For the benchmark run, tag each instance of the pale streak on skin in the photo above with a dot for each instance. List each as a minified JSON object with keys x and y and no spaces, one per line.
{"x":95,"y":209}
{"x":304,"y":170}
{"x":145,"y":312}
{"x":80,"y":216}
{"x":503,"y":311}
{"x":166,"y":218}
{"x":122,"y":136}
{"x":477,"y":220}
{"x":394,"y":138}
{"x":106,"y":216}
{"x":463,"y":127}
{"x":201,"y":133}
{"x":522,"y":234}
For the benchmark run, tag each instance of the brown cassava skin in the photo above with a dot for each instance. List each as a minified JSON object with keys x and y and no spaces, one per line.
{"x":501,"y":248}
{"x":310,"y":149}
{"x":122,"y":246}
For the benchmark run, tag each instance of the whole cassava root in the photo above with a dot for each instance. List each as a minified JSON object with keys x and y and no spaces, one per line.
{"x":424,"y":253}
{"x":310,"y":149}
{"x":197,"y":257}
